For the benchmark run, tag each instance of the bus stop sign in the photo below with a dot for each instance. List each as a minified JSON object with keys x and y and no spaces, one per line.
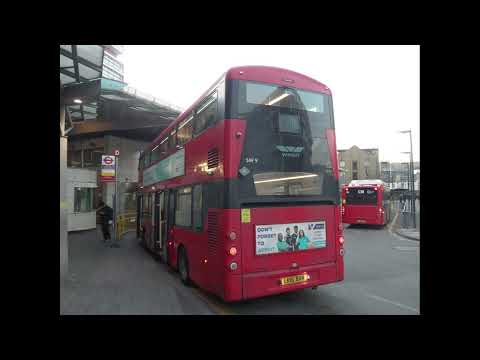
{"x":108,"y":168}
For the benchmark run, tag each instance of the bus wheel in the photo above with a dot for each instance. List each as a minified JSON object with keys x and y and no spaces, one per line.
{"x":183,"y":266}
{"x":165,"y":252}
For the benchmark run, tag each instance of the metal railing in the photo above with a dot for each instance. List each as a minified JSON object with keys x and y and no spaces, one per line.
{"x":126,"y":222}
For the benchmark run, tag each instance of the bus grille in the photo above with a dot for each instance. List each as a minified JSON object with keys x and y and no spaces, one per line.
{"x":212,"y":234}
{"x":212,"y":158}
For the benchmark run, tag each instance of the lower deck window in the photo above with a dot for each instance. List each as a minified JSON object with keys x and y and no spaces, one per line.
{"x":83,"y":199}
{"x":183,"y":210}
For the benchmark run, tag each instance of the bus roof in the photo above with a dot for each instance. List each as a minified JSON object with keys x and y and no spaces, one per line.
{"x":274,"y":75}
{"x":267,"y":74}
{"x":367,"y":182}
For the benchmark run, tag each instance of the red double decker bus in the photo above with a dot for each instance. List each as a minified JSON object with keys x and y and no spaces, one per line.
{"x":240,"y":193}
{"x":366,"y":202}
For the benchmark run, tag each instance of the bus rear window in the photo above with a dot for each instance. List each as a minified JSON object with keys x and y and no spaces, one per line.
{"x":361,"y":196}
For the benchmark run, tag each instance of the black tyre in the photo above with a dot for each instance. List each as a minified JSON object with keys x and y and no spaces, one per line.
{"x":164,"y":252}
{"x":142,"y":239}
{"x":183,"y":266}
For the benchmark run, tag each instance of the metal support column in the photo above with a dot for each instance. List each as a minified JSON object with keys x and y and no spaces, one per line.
{"x":412,"y":179}
{"x":63,"y":202}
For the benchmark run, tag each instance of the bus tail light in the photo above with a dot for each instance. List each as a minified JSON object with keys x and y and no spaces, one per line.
{"x":233,"y":266}
{"x":232,"y":235}
{"x":232,"y":251}
{"x":341,"y":240}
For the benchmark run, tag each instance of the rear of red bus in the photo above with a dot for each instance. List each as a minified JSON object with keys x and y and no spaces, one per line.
{"x":279,"y":222}
{"x":363,"y":205}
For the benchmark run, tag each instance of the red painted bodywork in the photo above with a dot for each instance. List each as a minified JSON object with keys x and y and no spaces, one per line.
{"x":363,"y":214}
{"x":255,"y":276}
{"x":273,"y":75}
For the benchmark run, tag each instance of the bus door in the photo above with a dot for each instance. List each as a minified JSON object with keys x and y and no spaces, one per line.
{"x":139,"y":212}
{"x":159,"y":229}
{"x":386,"y":205}
{"x":168,"y":224}
{"x":163,"y":220}
{"x":157,"y":233}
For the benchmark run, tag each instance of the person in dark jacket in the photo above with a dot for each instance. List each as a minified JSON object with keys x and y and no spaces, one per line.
{"x":106,"y":216}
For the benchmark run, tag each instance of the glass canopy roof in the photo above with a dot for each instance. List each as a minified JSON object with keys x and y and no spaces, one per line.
{"x":81,"y":63}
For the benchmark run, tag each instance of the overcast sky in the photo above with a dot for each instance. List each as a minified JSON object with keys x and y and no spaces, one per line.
{"x":375,"y":88}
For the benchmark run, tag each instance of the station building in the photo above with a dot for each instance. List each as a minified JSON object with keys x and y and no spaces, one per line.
{"x":358,"y":164}
{"x":100,"y":114}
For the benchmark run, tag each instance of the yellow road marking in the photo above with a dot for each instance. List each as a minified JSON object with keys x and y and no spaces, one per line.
{"x":219,"y":309}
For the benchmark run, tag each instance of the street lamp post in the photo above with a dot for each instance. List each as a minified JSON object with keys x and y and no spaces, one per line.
{"x":411,"y":180}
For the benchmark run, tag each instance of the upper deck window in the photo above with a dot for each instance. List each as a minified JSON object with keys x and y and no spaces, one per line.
{"x":146,"y":159}
{"x":274,"y":95}
{"x":155,"y":154}
{"x":172,"y":139}
{"x":206,"y":114}
{"x":164,"y":146}
{"x":185,"y":130}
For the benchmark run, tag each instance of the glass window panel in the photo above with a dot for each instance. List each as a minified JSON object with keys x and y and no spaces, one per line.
{"x":172,"y":140}
{"x":164,"y":146}
{"x":88,"y":72}
{"x":65,"y":61}
{"x":90,"y":109}
{"x":66,"y":79}
{"x":206,"y":114}
{"x":185,"y":131}
{"x":89,"y":116}
{"x":92,"y":53}
{"x":83,"y":199}
{"x":156,"y":154}
{"x":197,"y":207}
{"x":67,"y":47}
{"x":183,"y":210}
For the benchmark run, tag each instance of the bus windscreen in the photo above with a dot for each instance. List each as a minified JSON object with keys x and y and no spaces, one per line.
{"x":361,"y":196}
{"x":286,"y":151}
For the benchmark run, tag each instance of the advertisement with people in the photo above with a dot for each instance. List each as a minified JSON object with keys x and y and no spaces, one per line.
{"x":279,"y":238}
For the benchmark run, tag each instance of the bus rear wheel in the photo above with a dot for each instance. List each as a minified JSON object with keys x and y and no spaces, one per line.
{"x":183,"y":266}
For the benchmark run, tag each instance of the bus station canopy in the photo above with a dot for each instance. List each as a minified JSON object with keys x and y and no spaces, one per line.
{"x":107,"y":105}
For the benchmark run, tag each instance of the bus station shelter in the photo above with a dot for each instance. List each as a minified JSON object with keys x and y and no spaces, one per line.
{"x":92,"y":105}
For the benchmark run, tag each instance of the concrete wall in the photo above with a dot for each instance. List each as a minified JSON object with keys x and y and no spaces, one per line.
{"x":83,"y":178}
{"x":63,"y":209}
{"x":372,"y":171}
{"x":127,"y":162}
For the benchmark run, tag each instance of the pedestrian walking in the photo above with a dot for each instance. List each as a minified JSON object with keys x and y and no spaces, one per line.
{"x":106,"y":216}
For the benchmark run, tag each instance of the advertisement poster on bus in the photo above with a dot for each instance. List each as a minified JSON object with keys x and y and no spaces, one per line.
{"x":278,"y":238}
{"x":168,"y":168}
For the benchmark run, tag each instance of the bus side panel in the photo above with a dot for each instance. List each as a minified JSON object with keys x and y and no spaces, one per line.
{"x":233,"y":278}
{"x":196,"y":157}
{"x":338,"y":246}
{"x":234,"y":140}
{"x":148,"y":228}
{"x":215,"y":253}
{"x":195,"y":244}
{"x":267,"y":283}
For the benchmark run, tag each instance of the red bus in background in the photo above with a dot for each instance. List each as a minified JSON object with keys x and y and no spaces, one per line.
{"x":240,"y":192}
{"x":366,"y":202}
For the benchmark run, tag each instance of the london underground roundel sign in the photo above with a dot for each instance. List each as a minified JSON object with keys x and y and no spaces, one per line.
{"x":108,"y":160}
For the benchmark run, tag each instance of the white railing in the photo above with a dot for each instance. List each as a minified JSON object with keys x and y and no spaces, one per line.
{"x":133,"y":91}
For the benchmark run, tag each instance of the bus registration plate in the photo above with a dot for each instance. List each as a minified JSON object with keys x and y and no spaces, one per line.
{"x":293,"y":279}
